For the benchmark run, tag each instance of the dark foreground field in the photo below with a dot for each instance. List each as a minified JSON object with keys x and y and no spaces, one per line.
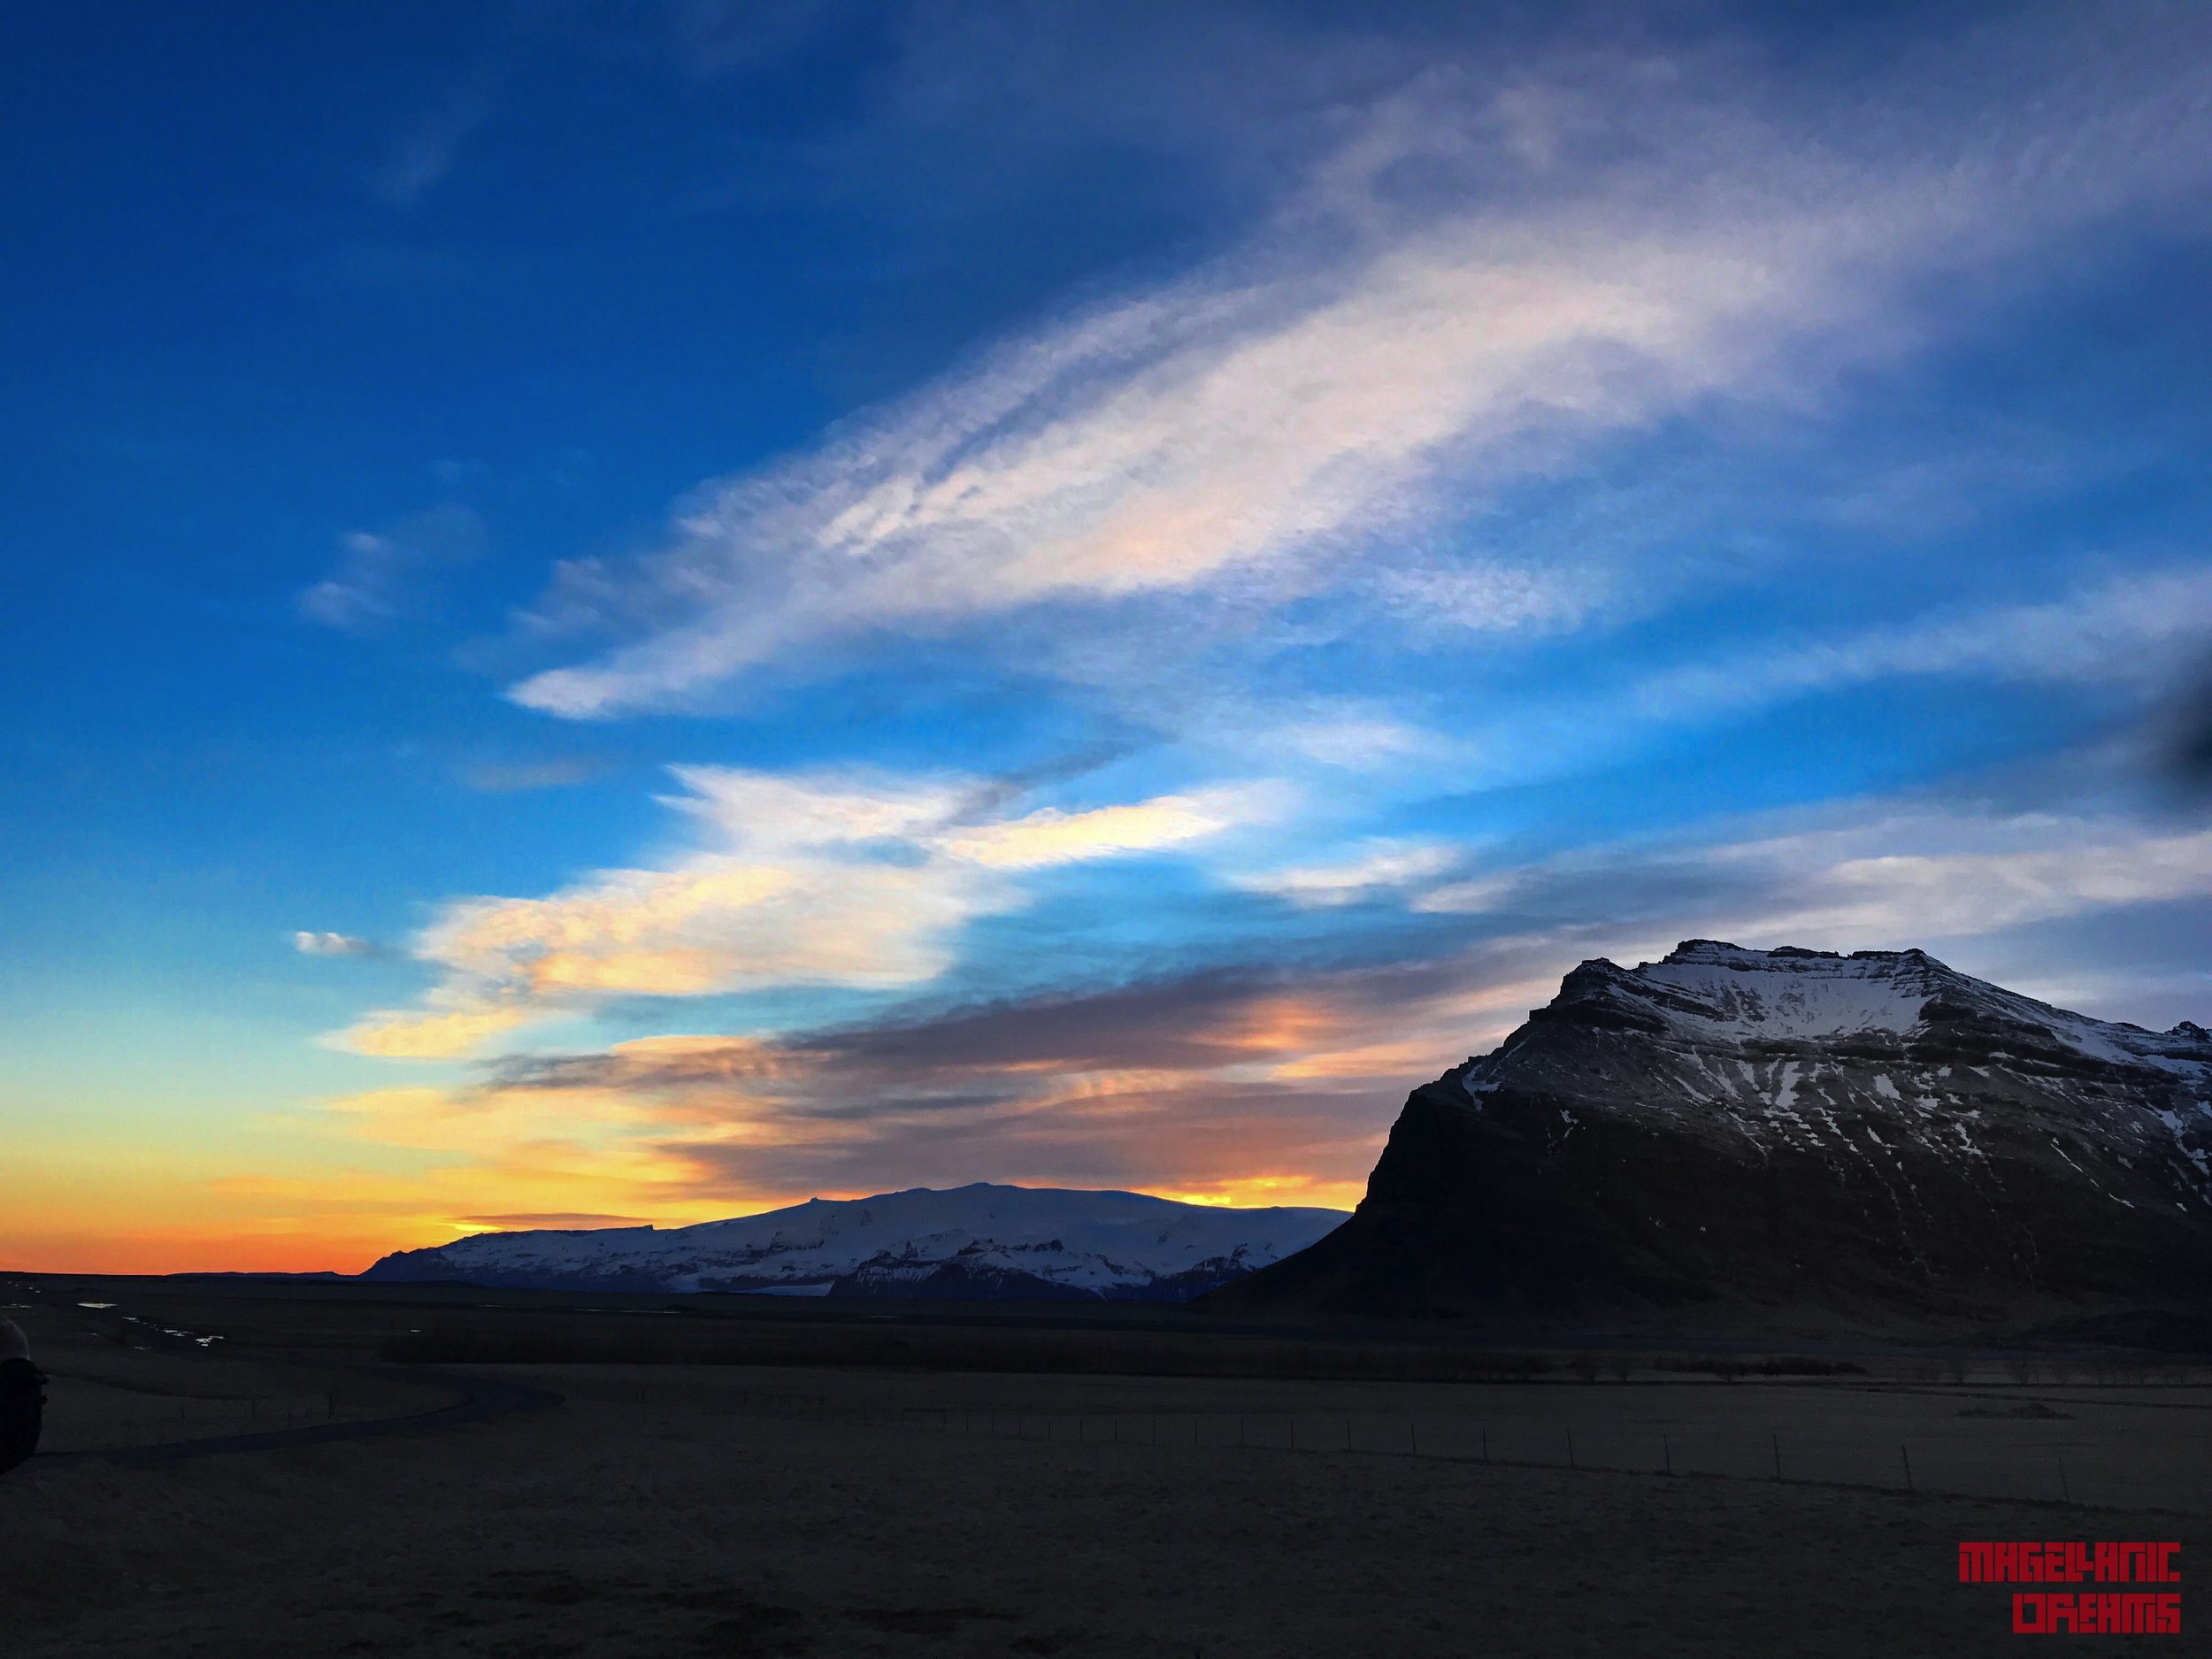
{"x":871,"y":1506}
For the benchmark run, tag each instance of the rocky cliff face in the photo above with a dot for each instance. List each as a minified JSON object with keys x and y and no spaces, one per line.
{"x":1751,"y":1135}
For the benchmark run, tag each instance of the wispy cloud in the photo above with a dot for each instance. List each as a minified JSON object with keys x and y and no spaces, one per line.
{"x":1487,"y":598}
{"x":2136,"y":628}
{"x":1053,"y":837}
{"x":424,"y":151}
{"x":1382,"y":867}
{"x":314,"y":944}
{"x":847,"y":880}
{"x":1357,"y":740}
{"x":1875,"y":881}
{"x":1376,"y":354}
{"x":513,"y":777}
{"x":383,"y":576}
{"x":1868,"y":875}
{"x":432,"y":1033}
{"x":2116,"y":646}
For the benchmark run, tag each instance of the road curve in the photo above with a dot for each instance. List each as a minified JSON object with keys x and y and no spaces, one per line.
{"x":482,"y":1398}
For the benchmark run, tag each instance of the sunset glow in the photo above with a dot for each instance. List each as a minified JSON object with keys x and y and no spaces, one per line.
{"x":1079,"y":604}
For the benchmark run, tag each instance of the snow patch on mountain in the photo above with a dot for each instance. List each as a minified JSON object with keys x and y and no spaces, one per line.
{"x":1718,"y":991}
{"x":1784,"y":1049}
{"x":1724,"y":989}
{"x":977,"y":1241}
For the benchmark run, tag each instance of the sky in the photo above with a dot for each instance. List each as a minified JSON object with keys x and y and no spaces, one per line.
{"x":638,"y":612}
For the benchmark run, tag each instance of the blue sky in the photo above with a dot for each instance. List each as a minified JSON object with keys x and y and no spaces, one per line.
{"x":634,"y":611}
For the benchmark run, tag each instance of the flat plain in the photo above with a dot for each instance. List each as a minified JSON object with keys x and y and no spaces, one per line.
{"x":1592,"y":1504}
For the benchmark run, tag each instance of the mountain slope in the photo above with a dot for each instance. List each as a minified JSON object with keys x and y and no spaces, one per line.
{"x":1751,"y":1132}
{"x":969,"y":1241}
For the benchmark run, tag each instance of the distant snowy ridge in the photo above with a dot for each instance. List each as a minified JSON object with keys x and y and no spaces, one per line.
{"x":979,"y":1241}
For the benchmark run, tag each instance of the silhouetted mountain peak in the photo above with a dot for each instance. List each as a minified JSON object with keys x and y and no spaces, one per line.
{"x":1865,"y":1135}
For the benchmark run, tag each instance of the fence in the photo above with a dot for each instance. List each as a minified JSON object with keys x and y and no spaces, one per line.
{"x":2079,"y":1474}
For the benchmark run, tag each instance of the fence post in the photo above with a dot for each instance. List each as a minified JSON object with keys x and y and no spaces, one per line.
{"x":1907,"y":1456}
{"x":1778,"y":1457}
{"x":1666,"y":1449}
{"x":1570,"y":1448}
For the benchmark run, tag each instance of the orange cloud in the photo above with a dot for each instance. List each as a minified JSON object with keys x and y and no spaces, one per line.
{"x":412,"y":1034}
{"x":836,"y":879}
{"x":1053,"y":837}
{"x":1217,"y":1087}
{"x":1256,"y":1192}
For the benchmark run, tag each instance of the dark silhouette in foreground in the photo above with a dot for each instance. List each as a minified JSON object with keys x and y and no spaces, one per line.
{"x":22,"y":1398}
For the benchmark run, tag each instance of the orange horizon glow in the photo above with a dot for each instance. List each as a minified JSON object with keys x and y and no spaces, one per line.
{"x":1248,"y":1104}
{"x":280,"y":1248}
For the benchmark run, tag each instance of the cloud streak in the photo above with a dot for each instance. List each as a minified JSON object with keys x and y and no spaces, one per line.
{"x":385,"y":576}
{"x":314,"y":944}
{"x":1869,"y":876}
{"x":517,"y":777}
{"x":1382,"y":350}
{"x":2136,"y":628}
{"x":423,"y":153}
{"x":1382,"y":868}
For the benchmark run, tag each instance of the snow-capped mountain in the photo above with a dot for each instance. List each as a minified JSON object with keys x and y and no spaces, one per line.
{"x":969,"y":1242}
{"x":1863,"y":1135}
